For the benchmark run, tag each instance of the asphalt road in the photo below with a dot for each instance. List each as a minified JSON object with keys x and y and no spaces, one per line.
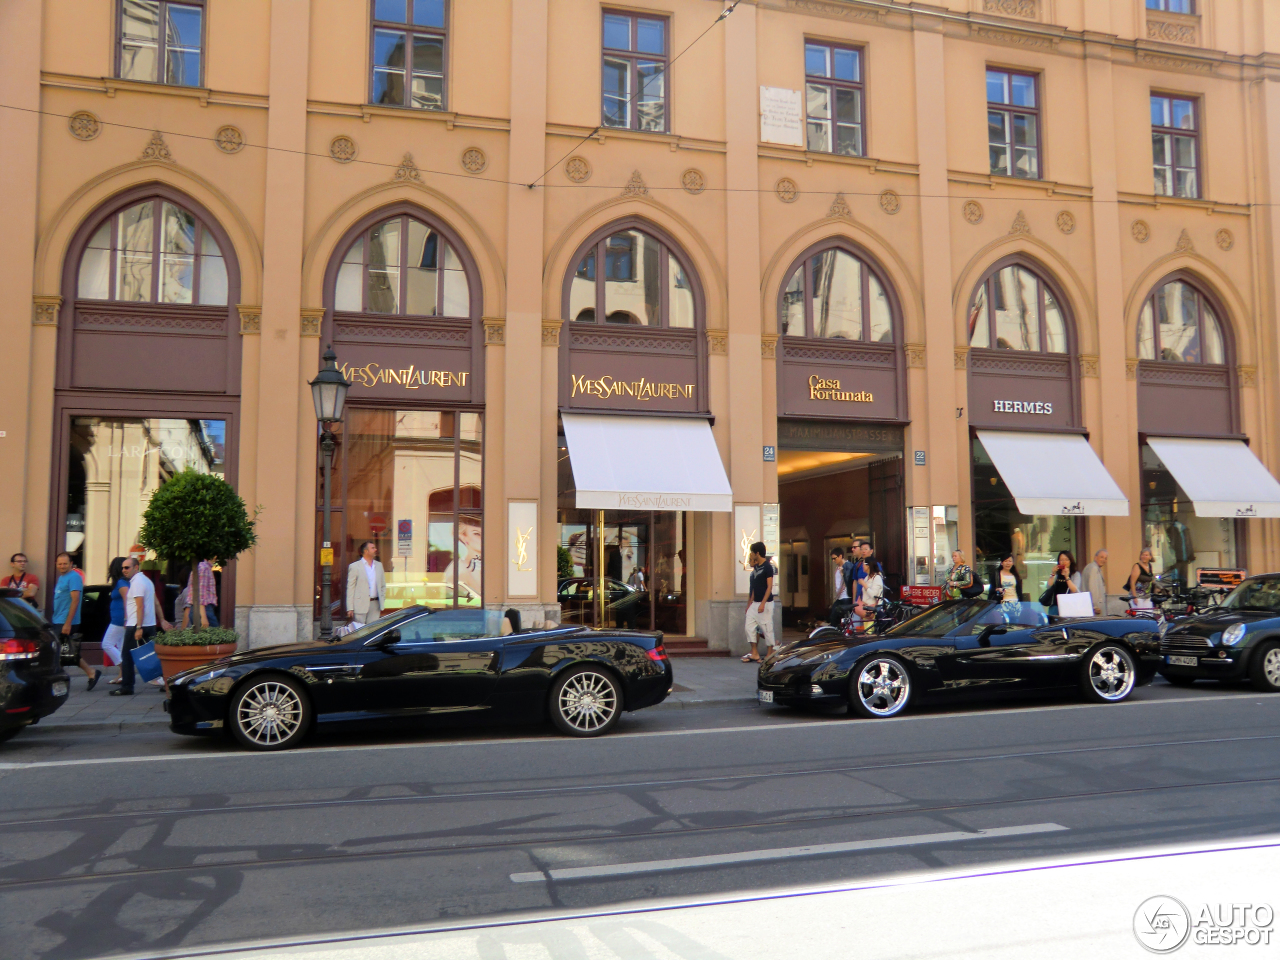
{"x":144,"y":843}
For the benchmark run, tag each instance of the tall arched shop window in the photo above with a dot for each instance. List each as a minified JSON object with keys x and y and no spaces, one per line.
{"x":632,"y":277}
{"x":408,"y":471}
{"x":1013,"y":309}
{"x":835,"y":295}
{"x":1177,"y":324}
{"x":153,"y":252}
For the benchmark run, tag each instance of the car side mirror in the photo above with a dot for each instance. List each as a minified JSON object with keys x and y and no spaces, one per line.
{"x":984,"y":638}
{"x":388,"y":638}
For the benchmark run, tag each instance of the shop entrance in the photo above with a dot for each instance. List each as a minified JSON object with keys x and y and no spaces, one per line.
{"x":836,"y":483}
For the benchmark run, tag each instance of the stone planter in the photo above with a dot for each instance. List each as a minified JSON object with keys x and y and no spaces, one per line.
{"x":176,"y":659}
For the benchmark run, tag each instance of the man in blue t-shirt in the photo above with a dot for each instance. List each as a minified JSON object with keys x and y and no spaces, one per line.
{"x":67,"y":595}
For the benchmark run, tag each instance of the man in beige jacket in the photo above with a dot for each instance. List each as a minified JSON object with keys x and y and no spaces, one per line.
{"x":366,"y":585}
{"x":1093,"y":583}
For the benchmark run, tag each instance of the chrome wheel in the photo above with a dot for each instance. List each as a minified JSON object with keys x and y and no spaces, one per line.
{"x":882,"y":688}
{"x":270,"y":714}
{"x":1111,"y":674}
{"x":1271,"y":666}
{"x":586,"y":703}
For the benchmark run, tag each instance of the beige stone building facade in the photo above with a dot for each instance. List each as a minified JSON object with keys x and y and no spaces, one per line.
{"x":989,"y":274}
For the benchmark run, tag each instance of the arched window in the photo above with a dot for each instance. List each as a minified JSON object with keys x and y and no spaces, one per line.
{"x":1178,"y":324}
{"x":833,"y":294}
{"x":402,"y":267}
{"x":153,"y":252}
{"x":632,"y":277}
{"x":1013,"y":309}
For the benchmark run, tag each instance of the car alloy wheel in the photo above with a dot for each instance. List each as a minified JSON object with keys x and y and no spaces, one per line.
{"x":270,"y":714}
{"x":1109,"y":674}
{"x":1266,"y":670}
{"x":586,"y":703}
{"x":882,"y":688}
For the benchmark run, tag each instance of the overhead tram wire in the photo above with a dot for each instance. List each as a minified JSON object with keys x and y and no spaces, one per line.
{"x":639,"y":87}
{"x":1058,"y":198}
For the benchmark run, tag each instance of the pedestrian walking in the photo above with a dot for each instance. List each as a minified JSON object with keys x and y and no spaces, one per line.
{"x":113,"y":638}
{"x":208,"y":595}
{"x":68,"y":594}
{"x":1138,"y":586}
{"x":959,"y":577}
{"x":19,"y":579}
{"x":139,"y":621}
{"x":841,"y":586}
{"x":366,"y":585}
{"x":759,"y":602}
{"x":1094,"y":583}
{"x":1006,"y":587}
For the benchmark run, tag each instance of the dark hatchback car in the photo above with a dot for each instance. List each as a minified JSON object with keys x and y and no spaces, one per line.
{"x":32,"y":681}
{"x":1238,"y":640}
{"x":417,"y":665}
{"x":963,"y":649}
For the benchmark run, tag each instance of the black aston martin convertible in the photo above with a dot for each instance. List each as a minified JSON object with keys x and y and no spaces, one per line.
{"x":417,"y":664}
{"x":963,"y":648}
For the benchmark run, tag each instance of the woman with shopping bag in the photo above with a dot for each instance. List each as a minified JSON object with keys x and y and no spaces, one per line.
{"x":113,"y":638}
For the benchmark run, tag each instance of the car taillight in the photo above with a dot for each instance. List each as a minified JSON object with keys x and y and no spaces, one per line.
{"x":19,"y":649}
{"x":658,"y":653}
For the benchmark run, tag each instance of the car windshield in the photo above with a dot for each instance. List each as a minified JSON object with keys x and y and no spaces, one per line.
{"x":369,"y":629}
{"x":18,"y":620}
{"x":1021,"y":614}
{"x":941,"y":619}
{"x":1262,"y":595}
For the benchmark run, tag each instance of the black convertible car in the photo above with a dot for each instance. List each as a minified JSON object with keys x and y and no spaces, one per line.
{"x":1236,"y":641}
{"x":963,"y":648}
{"x":418,"y":664}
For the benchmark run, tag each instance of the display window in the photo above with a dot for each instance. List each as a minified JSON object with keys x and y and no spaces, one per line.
{"x":1181,"y":543}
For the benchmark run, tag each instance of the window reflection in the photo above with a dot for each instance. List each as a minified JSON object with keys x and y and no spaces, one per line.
{"x":1178,"y":325}
{"x":1013,"y":310}
{"x":837,"y":298}
{"x":643,"y":284}
{"x":402,"y":266}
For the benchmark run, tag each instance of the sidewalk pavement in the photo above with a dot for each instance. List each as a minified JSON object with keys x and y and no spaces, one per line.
{"x":699,"y":680}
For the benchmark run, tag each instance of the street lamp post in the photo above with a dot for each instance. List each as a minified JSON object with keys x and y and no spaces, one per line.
{"x":329,"y":393}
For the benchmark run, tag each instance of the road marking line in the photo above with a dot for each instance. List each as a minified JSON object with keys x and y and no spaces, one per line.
{"x":311,"y":752}
{"x":778,"y":853}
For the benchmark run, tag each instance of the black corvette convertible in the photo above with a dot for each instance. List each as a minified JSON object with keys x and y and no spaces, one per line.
{"x":418,"y":664}
{"x":963,"y":648}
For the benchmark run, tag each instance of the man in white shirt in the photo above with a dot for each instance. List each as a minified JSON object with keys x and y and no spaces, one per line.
{"x":366,"y":585}
{"x":1094,"y":583}
{"x":139,"y":621}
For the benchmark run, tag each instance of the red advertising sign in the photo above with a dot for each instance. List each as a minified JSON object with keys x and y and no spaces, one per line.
{"x":921,"y":596}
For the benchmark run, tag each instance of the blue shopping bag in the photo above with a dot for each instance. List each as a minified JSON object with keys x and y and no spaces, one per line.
{"x":146,"y":662}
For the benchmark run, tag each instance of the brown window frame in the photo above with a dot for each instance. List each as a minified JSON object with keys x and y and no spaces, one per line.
{"x":669,"y":252}
{"x":402,"y":293}
{"x":1192,"y":134}
{"x":1043,"y":286}
{"x":832,"y":85}
{"x":162,"y":47}
{"x":1202,"y":301}
{"x":410,"y":30}
{"x":1162,"y":6}
{"x":633,"y":57}
{"x":157,"y":241}
{"x":868,"y":268}
{"x":1010,"y":111}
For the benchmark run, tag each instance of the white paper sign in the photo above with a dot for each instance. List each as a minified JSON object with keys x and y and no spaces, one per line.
{"x":781,"y":116}
{"x":1075,"y":605}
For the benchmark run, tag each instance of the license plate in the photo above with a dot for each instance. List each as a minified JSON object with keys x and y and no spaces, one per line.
{"x":766,"y":696}
{"x":1182,"y":661}
{"x":60,"y":689}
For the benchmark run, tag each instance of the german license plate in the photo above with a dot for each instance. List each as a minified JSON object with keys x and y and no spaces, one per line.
{"x":766,"y":696}
{"x":60,"y":689}
{"x":1182,"y":661}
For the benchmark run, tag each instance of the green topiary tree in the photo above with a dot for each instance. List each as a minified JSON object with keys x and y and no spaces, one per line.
{"x":195,"y":517}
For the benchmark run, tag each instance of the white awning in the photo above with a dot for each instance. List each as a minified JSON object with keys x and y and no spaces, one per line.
{"x":1055,"y":474}
{"x":645,"y":463}
{"x":1223,"y":478}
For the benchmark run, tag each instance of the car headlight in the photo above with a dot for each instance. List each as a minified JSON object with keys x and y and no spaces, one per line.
{"x":818,"y":658}
{"x":199,"y":678}
{"x":1233,"y":634}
